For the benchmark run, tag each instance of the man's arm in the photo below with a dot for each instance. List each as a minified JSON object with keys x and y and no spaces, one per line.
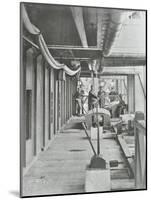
{"x":93,"y":95}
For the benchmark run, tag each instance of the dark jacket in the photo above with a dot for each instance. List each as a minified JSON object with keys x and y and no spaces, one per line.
{"x":91,"y":98}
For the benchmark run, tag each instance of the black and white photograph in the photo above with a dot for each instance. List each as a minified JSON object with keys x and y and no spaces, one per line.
{"x":83,"y":96}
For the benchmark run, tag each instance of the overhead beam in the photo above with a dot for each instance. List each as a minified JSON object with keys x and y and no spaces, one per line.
{"x":104,"y":74}
{"x":71,"y":58}
{"x":108,"y":73}
{"x":77,"y":13}
{"x":99,"y":28}
{"x":75,"y":53}
{"x":67,"y":47}
{"x":124,"y":61}
{"x":120,"y":70}
{"x":112,"y":77}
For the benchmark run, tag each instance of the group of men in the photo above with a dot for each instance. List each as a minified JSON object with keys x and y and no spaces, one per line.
{"x":101,"y":100}
{"x":94,"y":99}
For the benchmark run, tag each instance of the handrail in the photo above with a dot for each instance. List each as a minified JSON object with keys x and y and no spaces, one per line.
{"x":140,"y":154}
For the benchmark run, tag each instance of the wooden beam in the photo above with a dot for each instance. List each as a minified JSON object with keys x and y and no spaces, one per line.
{"x":124,"y":61}
{"x":112,"y":77}
{"x":69,"y":47}
{"x":77,"y":13}
{"x":30,"y":42}
{"x":81,"y":54}
{"x":99,"y":29}
{"x":71,"y":58}
{"x":127,"y":155}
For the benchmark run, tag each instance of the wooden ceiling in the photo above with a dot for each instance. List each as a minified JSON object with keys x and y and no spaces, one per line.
{"x":79,"y":33}
{"x":55,"y":23}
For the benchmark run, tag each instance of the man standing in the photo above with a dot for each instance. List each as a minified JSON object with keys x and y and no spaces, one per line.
{"x":77,"y":97}
{"x":113,"y":94}
{"x":92,"y":98}
{"x":101,"y":97}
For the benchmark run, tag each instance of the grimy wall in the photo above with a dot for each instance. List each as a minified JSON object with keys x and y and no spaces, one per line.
{"x":46,"y":104}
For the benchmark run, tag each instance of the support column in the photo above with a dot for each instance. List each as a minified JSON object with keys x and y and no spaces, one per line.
{"x":52,"y":117}
{"x":43,"y":68}
{"x":131,"y":93}
{"x":116,"y":86}
{"x":59,"y":104}
{"x":23,"y":109}
{"x":65,"y":101}
{"x":30,"y":105}
{"x":56,"y":106}
{"x":49,"y":121}
{"x":35,"y":102}
{"x":69,"y":97}
{"x":62,"y":102}
{"x":39,"y":106}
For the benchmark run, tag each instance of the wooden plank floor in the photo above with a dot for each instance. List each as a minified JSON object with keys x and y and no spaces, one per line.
{"x":61,"y":168}
{"x":130,"y":141}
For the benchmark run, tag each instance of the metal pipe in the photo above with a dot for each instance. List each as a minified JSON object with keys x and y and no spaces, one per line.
{"x":98,"y":131}
{"x":83,"y":124}
{"x":117,"y":19}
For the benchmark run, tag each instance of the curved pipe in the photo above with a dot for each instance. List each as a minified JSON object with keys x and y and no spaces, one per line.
{"x":43,"y":47}
{"x":117,"y":19}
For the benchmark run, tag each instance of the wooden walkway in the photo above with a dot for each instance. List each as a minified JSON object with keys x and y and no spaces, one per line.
{"x":61,"y":168}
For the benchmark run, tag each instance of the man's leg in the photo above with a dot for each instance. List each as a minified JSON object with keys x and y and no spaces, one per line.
{"x":77,"y":107}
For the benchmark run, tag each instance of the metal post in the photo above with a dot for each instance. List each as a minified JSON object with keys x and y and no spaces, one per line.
{"x":98,"y":131}
{"x":92,"y":76}
{"x":93,"y":149}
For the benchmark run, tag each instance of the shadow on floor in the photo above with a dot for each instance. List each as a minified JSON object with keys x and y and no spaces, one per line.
{"x":73,"y":126}
{"x":84,"y":138}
